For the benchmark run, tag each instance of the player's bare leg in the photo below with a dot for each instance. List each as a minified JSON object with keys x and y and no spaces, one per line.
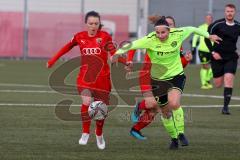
{"x":218,"y":82}
{"x":148,"y":103}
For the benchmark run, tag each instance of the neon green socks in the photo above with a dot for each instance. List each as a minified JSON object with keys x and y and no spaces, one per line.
{"x":169,"y":125}
{"x":178,"y":117}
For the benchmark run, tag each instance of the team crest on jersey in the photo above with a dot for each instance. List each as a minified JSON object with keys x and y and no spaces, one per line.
{"x":174,"y":44}
{"x":99,"y":40}
{"x":83,"y":42}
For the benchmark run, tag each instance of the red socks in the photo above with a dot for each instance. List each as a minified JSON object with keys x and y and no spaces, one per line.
{"x":99,"y":127}
{"x":86,"y":120}
{"x":144,"y":120}
{"x":142,"y":105}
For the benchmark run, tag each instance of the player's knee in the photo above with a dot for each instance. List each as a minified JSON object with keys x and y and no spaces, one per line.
{"x":86,"y":101}
{"x":218,"y":85}
{"x":151,"y":105}
{"x":174,"y":104}
{"x":228,"y":83}
{"x":166,"y":114}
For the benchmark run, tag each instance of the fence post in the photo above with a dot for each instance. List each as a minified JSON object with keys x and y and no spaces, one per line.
{"x":25,"y":30}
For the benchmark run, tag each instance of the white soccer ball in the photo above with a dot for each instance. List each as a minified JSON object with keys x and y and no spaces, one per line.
{"x":97,"y":110}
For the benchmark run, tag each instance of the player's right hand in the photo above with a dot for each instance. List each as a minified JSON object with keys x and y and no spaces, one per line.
{"x":129,"y":66}
{"x":215,"y":38}
{"x":216,"y":56}
{"x":49,"y":64}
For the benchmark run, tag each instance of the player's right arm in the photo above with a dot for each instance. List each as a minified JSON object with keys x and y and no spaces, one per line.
{"x":145,"y":76}
{"x":66,"y":48}
{"x":142,"y":43}
{"x":129,"y":60}
{"x":130,"y":55}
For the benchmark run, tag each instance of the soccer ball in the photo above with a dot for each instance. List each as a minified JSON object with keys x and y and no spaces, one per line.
{"x":97,"y":110}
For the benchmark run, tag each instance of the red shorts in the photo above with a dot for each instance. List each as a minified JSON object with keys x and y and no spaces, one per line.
{"x":100,"y":88}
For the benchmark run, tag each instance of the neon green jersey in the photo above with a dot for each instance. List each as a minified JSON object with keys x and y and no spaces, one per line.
{"x":164,"y":56}
{"x":202,"y":45}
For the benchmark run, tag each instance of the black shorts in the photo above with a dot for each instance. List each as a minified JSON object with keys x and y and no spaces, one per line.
{"x":160,"y":89}
{"x":205,"y":57}
{"x":220,"y":67}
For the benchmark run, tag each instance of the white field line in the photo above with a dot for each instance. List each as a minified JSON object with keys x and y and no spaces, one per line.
{"x":25,"y":91}
{"x":23,"y":85}
{"x":120,"y":106}
{"x":54,"y":92}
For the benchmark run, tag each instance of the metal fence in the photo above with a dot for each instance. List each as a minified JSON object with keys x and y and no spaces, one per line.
{"x":31,"y":33}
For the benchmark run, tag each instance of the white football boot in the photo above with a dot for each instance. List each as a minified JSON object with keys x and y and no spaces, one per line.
{"x":84,"y":139}
{"x":100,"y":142}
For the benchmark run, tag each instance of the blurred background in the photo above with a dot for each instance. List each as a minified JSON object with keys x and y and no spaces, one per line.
{"x":37,"y":29}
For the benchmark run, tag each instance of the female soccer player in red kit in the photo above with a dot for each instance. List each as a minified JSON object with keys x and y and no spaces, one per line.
{"x":93,"y":80}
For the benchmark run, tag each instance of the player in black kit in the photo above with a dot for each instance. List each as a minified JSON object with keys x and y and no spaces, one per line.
{"x":224,"y":56}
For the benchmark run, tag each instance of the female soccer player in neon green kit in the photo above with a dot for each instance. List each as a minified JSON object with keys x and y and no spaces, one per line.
{"x":169,"y":124}
{"x":163,"y":47}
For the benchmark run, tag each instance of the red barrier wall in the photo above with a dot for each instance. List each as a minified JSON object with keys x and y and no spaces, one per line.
{"x":48,"y":32}
{"x":11,"y":34}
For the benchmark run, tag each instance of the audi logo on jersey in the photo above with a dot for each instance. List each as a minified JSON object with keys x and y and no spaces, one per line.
{"x":91,"y":51}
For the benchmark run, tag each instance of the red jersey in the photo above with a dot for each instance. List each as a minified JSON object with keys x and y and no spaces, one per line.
{"x":93,"y":50}
{"x":94,"y":55}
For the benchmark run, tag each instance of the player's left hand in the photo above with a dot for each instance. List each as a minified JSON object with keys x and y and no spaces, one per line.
{"x":114,"y":58}
{"x":215,"y":38}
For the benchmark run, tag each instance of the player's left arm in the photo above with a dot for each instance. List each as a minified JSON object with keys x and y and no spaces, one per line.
{"x":111,"y":49}
{"x":189,"y":30}
{"x":141,"y":43}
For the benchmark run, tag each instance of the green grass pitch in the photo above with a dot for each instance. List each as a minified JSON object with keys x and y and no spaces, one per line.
{"x":29,"y":131}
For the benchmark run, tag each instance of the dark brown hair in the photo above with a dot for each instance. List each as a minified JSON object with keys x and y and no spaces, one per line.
{"x":93,"y":14}
{"x":170,"y":17}
{"x":161,"y":21}
{"x":230,"y":5}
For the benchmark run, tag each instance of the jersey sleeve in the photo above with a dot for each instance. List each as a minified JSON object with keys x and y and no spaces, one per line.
{"x":187,"y":31}
{"x":195,"y":40}
{"x":212,"y":29}
{"x":111,"y":48}
{"x":137,"y":44}
{"x":67,"y":47}
{"x":130,"y":55}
